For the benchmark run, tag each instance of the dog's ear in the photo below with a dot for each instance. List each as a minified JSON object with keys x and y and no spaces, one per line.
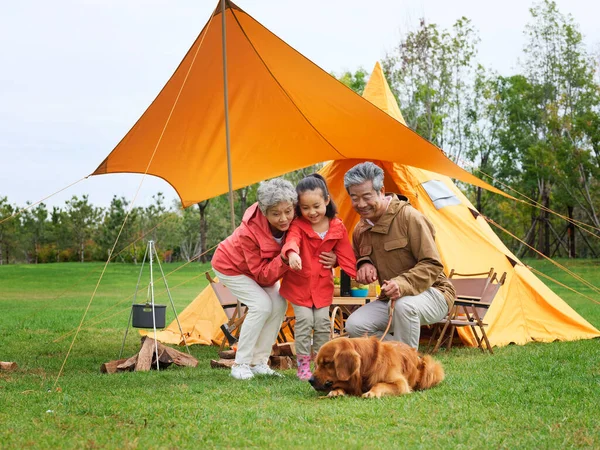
{"x":347,"y":363}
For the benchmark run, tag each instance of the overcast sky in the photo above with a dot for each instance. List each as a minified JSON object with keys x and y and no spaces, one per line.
{"x":75,"y":75}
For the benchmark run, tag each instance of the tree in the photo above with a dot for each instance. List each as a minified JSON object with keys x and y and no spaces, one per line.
{"x":481,"y":135}
{"x":161,"y":224}
{"x":82,"y":218}
{"x":193,"y":227}
{"x":355,"y":81}
{"x":114,"y":220}
{"x":559,"y":67}
{"x":34,"y":231}
{"x":8,"y":230}
{"x":429,"y":75}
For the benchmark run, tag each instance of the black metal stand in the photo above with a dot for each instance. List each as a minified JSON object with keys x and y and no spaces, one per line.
{"x":150,"y":254}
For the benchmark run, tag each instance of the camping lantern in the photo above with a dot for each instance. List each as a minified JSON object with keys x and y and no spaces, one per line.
{"x":141,"y":315}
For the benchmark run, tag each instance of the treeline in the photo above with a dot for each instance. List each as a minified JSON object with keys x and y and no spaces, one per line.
{"x":534,"y":134}
{"x":80,"y":231}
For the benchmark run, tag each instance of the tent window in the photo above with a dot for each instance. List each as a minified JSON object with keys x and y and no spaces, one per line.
{"x":439,"y":194}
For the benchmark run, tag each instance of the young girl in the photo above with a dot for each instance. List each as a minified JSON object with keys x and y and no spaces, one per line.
{"x":309,"y":286}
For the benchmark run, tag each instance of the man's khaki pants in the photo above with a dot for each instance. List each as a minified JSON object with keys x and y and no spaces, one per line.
{"x":409,"y":314}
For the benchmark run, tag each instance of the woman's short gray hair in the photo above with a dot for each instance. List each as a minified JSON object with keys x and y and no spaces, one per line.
{"x":363,"y":172}
{"x":275,"y":191}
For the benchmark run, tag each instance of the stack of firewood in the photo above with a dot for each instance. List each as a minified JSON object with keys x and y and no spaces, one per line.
{"x":146,"y":358}
{"x":7,"y":366}
{"x":283,"y":357}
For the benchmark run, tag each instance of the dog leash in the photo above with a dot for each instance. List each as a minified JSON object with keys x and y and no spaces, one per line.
{"x":391,"y":317}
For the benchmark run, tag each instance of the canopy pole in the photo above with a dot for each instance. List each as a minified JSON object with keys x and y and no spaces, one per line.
{"x":226,"y":99}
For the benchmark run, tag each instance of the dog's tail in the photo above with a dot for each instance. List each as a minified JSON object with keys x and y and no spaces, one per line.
{"x":431,"y":373}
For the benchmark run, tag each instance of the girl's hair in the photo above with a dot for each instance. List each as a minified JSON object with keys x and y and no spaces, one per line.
{"x":310,"y":183}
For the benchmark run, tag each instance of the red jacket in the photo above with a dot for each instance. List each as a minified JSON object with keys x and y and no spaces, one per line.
{"x":313,"y":285}
{"x":251,"y":250}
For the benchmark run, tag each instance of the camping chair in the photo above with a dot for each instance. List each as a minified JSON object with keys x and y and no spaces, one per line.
{"x":234,"y":309}
{"x":336,"y":325}
{"x":288,"y":322}
{"x":474,"y":296}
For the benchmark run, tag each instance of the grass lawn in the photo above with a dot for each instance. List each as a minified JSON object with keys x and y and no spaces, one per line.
{"x":535,"y":396}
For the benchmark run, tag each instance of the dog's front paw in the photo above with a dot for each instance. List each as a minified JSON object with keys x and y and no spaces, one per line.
{"x":371,"y":394}
{"x":336,"y":393}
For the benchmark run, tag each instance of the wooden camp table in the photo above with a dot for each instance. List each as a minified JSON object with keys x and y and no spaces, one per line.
{"x":341,"y":308}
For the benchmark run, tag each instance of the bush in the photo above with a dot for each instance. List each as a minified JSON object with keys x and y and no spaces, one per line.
{"x":47,"y":253}
{"x":67,"y":255}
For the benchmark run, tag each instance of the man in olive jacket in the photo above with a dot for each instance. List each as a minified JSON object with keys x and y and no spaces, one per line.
{"x":394,"y":244}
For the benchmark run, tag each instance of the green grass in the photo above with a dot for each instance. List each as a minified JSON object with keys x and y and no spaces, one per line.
{"x":535,"y":396}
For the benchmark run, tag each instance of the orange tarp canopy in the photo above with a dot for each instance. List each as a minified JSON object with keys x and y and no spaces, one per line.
{"x":285,"y":113}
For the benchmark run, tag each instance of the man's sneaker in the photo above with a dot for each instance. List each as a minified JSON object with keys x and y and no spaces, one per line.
{"x":241,"y":372}
{"x":264,"y":369}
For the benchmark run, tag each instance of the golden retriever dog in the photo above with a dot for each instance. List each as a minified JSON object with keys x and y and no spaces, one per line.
{"x":369,"y":368}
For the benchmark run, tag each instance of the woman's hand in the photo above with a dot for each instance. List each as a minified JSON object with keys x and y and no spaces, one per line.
{"x":328,"y":259}
{"x":295,"y":261}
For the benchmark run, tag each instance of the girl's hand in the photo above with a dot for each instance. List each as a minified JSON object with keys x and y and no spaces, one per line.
{"x":295,"y":261}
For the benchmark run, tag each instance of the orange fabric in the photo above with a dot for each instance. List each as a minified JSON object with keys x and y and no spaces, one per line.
{"x":285,"y":113}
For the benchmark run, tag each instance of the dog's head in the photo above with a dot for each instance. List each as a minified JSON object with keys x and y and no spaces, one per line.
{"x":337,"y":366}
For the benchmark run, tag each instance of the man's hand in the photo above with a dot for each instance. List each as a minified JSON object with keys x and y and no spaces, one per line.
{"x":390,"y":289}
{"x":328,"y":259}
{"x":366,"y":274}
{"x":295,"y":261}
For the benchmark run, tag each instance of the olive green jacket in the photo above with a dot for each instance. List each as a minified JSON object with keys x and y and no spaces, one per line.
{"x":401,"y":245}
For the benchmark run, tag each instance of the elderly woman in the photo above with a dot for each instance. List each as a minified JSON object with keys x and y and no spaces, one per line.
{"x":250,"y":264}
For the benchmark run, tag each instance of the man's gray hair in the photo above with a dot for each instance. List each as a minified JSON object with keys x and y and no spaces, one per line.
{"x":275,"y":191}
{"x":363,"y":172}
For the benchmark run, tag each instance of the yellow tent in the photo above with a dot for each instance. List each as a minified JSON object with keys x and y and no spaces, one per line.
{"x":200,"y":322}
{"x":525,"y":309}
{"x":285,"y":113}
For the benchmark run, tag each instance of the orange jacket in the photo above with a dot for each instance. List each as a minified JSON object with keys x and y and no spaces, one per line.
{"x":313,"y":285}
{"x":251,"y":250}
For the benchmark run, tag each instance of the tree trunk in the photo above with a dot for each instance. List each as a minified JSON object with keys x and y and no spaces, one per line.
{"x":547,"y":223}
{"x":479,"y":206}
{"x":571,"y":233}
{"x":203,"y":229}
{"x":543,"y":245}
{"x":588,"y":197}
{"x":529,"y":238}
